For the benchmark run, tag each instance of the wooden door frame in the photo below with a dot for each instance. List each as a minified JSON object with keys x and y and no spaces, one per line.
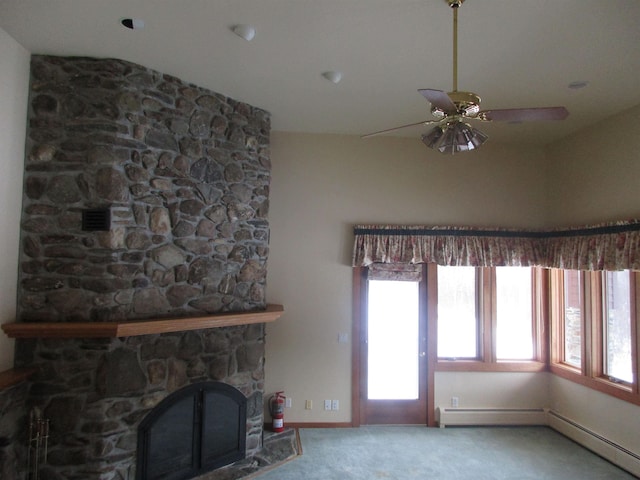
{"x":358,"y":299}
{"x":358,"y":309}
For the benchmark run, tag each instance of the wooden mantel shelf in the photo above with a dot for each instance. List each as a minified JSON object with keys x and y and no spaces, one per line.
{"x":138,"y":327}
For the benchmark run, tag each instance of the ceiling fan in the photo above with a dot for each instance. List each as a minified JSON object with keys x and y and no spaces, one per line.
{"x":452,"y":133}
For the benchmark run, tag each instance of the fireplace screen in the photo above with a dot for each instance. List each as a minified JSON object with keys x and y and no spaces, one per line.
{"x":193,"y":431}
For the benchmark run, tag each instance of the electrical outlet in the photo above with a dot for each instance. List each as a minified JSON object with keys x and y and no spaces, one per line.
{"x":335,"y":405}
{"x":455,"y":402}
{"x":327,"y":404}
{"x":308,"y":404}
{"x":287,"y":402}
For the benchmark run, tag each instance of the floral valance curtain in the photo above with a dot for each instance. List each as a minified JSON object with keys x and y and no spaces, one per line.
{"x":614,"y":246}
{"x":399,"y":272}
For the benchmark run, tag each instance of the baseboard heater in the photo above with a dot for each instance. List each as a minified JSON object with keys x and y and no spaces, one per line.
{"x":598,"y":444}
{"x":491,"y":416}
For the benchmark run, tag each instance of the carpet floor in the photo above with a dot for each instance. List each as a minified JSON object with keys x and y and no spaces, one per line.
{"x":406,"y":453}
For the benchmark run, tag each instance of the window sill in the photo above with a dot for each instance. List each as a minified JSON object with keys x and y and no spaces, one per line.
{"x":566,"y":369}
{"x":479,"y":366}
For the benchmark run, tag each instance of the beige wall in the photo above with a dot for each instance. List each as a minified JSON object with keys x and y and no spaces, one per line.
{"x":593,"y":174}
{"x":492,"y":389}
{"x":324,"y":184}
{"x":14,"y":85}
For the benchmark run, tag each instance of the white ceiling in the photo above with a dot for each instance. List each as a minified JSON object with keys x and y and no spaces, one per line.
{"x":513,"y":53}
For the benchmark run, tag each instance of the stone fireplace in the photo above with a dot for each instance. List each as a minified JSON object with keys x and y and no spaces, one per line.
{"x":182,"y":175}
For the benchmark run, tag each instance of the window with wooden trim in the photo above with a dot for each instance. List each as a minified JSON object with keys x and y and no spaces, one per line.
{"x":490,"y":315}
{"x":594,"y":329}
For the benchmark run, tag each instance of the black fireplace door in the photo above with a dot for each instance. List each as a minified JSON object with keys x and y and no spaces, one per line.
{"x":197,"y":429}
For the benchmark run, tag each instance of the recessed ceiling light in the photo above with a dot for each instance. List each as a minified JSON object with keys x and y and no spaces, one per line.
{"x":133,"y":23}
{"x":578,"y":84}
{"x":333,"y":76}
{"x":244,"y":31}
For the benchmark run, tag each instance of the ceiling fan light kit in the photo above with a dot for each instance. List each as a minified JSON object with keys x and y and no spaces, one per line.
{"x":454,"y":137}
{"x":452,"y":134}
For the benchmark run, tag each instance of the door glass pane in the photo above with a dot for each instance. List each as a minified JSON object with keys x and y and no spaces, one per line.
{"x":617,"y":326}
{"x":514,"y":335}
{"x":457,"y":319}
{"x":393,"y":340}
{"x":572,"y":318}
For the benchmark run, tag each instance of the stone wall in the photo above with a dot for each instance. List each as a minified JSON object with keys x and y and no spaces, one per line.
{"x":185,"y":175}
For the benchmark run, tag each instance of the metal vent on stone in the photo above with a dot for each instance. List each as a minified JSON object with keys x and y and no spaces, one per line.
{"x":96,"y":219}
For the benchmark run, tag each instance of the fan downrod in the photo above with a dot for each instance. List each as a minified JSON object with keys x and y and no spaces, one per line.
{"x":455,"y":3}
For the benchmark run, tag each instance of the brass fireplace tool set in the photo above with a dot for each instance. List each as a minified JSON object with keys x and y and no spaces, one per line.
{"x":38,"y":440}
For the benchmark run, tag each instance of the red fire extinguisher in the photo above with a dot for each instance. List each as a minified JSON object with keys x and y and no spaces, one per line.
{"x":276,"y":409}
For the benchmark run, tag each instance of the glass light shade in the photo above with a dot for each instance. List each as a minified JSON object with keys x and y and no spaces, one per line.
{"x":454,"y":137}
{"x":431,"y":139}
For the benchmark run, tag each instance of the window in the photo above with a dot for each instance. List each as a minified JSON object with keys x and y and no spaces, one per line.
{"x":594,"y":330}
{"x":392,"y":338}
{"x":457,"y":313}
{"x":572,"y":318}
{"x":568,"y":313}
{"x":488,"y":315}
{"x":514,"y":313}
{"x":616,"y":326}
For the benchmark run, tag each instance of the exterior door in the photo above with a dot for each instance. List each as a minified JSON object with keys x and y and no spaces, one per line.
{"x":393,"y":350}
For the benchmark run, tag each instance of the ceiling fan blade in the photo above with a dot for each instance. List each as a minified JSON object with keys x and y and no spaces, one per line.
{"x":439,"y":99}
{"x":425,"y":122}
{"x":525,"y":114}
